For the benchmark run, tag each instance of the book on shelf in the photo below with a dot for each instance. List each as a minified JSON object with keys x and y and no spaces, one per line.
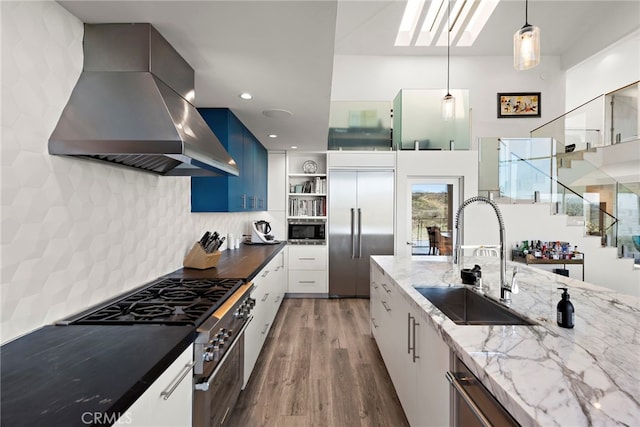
{"x":307,"y":207}
{"x":317,"y":185}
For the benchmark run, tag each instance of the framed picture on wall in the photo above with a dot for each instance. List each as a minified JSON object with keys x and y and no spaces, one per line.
{"x":518,"y":104}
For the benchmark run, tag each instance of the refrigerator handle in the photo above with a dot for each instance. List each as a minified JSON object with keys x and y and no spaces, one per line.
{"x":353,"y":234}
{"x":359,"y":233}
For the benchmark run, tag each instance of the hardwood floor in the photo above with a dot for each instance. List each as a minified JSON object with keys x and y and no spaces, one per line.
{"x":319,"y":366}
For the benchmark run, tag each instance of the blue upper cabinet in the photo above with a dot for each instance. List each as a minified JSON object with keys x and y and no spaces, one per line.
{"x":246,"y":192}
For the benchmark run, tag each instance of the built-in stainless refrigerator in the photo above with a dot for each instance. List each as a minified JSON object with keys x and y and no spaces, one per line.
{"x":361,"y":209}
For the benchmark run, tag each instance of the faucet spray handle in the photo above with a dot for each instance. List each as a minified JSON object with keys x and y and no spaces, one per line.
{"x":514,"y":283}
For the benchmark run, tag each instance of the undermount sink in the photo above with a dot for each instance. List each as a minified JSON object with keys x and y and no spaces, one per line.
{"x":467,"y":307}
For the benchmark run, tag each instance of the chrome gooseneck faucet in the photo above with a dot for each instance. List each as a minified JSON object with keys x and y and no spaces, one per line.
{"x":505,"y":288}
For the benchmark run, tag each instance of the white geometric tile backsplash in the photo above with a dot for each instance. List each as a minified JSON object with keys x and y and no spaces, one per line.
{"x":74,"y":232}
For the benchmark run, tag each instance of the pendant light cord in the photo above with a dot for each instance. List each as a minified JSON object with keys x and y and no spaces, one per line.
{"x":526,"y":13}
{"x":448,"y":41}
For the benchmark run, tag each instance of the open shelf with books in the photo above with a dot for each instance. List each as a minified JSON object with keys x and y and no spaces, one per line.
{"x":307,"y":185}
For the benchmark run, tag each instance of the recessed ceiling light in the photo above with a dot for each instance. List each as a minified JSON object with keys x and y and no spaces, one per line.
{"x":273,"y":135}
{"x":277,"y":113}
{"x":294,"y":146}
{"x":246,"y":95}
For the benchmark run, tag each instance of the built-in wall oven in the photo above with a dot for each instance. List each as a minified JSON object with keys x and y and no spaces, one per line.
{"x":472,"y":405}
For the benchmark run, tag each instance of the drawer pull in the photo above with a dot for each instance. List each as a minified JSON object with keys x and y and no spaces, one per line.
{"x":307,"y":281}
{"x":169,"y":390}
{"x":265,"y":297}
{"x":265,"y":273}
{"x":386,"y":307}
{"x":307,"y":259}
{"x":266,"y":328}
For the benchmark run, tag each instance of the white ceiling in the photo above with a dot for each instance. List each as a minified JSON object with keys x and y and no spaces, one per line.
{"x":282,"y":51}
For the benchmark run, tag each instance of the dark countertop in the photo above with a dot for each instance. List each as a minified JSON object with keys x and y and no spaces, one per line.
{"x":55,"y":374}
{"x":52,"y":376}
{"x":243,"y":263}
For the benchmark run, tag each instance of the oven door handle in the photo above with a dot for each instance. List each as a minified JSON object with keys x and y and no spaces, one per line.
{"x":204,"y":386}
{"x":458,"y":386}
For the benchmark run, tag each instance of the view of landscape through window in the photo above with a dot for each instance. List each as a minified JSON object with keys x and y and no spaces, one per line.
{"x":431,"y":219}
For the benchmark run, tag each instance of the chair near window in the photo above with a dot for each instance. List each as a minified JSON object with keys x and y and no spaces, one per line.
{"x":486,"y":251}
{"x":434,"y":240}
{"x":438,"y":244}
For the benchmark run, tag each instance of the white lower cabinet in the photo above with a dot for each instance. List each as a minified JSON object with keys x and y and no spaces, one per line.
{"x":416,"y":358}
{"x":168,"y":401}
{"x":270,"y":285}
{"x":308,"y":269}
{"x":382,"y":313}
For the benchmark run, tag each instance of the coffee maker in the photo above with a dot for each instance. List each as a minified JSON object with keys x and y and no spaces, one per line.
{"x":260,"y":233}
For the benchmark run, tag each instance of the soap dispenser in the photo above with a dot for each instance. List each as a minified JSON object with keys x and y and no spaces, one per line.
{"x":566,"y":313}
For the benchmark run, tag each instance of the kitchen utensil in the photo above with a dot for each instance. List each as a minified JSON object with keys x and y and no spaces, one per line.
{"x":260,"y":232}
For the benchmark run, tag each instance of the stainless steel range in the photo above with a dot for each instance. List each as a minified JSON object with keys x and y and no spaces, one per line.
{"x":220,"y":309}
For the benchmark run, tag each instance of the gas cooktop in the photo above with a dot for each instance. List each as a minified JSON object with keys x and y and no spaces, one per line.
{"x":167,"y":301}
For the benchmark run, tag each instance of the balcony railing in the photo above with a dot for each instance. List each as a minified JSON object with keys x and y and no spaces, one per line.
{"x":544,"y":170}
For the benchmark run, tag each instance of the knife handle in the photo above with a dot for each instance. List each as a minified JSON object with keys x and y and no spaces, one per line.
{"x":204,"y":239}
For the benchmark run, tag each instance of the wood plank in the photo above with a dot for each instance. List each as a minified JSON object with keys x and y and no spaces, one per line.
{"x":319,"y":367}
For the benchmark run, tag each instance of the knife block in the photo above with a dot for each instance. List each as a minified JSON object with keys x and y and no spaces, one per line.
{"x":198,"y":258}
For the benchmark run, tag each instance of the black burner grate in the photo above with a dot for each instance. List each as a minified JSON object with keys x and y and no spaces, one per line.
{"x":167,"y":301}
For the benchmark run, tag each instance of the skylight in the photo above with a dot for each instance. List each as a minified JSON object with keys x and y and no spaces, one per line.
{"x":468,"y":17}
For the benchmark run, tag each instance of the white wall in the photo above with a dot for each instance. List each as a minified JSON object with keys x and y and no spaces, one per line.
{"x":612,"y":68}
{"x":74,"y":232}
{"x":527,"y":222}
{"x":377,"y":78}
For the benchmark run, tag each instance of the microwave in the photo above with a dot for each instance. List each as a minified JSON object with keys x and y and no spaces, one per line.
{"x":307,"y":232}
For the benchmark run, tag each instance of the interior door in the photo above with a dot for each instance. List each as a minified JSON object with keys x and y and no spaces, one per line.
{"x":374,"y":224}
{"x":431,"y":208}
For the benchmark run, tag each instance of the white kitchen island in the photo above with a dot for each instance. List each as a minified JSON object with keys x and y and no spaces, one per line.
{"x":543,"y":375}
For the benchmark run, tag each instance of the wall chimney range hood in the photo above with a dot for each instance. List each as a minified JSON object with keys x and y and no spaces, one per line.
{"x":133,"y":106}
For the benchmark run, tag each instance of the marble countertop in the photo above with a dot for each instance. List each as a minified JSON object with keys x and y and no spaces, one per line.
{"x":544,"y":375}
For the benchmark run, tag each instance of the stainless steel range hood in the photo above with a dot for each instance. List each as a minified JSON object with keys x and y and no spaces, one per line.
{"x":132,"y":106}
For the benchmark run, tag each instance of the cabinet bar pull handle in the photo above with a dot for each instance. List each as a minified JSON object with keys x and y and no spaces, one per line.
{"x":266,"y":328}
{"x":265,"y":273}
{"x":373,"y":322}
{"x":307,"y":281}
{"x":177,"y":380}
{"x":307,"y":259}
{"x":408,"y":333}
{"x":265,"y":297}
{"x":386,"y":307}
{"x":415,"y":356}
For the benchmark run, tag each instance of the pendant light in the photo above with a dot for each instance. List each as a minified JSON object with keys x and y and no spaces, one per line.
{"x":448,"y":102}
{"x":526,"y":44}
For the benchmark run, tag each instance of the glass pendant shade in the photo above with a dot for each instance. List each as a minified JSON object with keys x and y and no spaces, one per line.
{"x":526,"y":47}
{"x":448,"y":107}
